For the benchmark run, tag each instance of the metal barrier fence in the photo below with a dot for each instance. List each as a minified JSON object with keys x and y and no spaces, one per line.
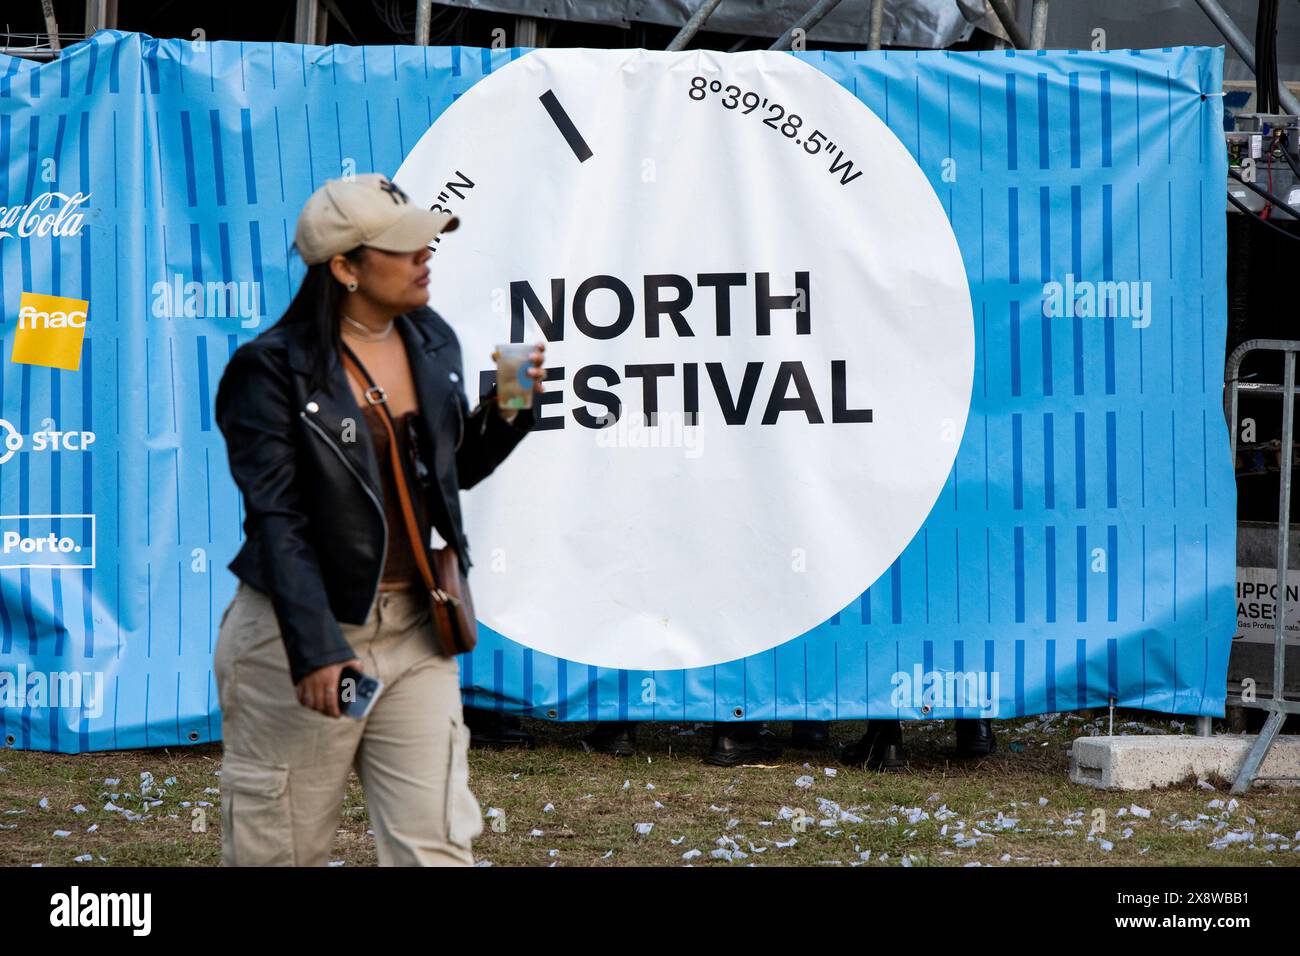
{"x":1277,"y":706}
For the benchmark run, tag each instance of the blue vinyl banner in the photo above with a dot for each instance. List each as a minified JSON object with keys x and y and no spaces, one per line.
{"x":879,"y":384}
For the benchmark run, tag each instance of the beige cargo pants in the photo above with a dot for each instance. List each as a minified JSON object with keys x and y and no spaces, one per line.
{"x":284,"y":771}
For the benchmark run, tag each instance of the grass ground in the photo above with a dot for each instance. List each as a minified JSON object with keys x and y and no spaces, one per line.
{"x":557,"y":805}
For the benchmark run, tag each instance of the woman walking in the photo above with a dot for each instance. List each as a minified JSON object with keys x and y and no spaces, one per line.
{"x":331,"y":576}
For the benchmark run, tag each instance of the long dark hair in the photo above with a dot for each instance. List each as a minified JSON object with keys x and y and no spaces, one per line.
{"x":316,"y":306}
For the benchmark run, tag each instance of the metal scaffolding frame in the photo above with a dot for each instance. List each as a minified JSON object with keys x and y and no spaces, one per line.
{"x":693,"y":24}
{"x":311,"y":19}
{"x":311,"y":24}
{"x":1245,"y":49}
{"x":805,"y":23}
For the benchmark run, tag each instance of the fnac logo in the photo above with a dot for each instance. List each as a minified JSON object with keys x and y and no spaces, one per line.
{"x":51,"y":330}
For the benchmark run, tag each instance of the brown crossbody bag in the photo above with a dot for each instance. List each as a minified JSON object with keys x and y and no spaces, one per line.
{"x":449,"y":597}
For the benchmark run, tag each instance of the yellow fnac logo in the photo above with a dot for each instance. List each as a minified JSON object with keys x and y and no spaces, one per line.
{"x":50,"y":332}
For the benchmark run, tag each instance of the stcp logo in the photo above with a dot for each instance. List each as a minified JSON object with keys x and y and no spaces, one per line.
{"x":51,"y":330}
{"x":49,"y":439}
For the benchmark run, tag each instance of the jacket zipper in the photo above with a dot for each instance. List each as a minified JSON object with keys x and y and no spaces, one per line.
{"x":460,"y":418}
{"x":364,"y":487}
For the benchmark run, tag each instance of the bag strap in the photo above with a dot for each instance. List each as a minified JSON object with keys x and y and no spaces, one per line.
{"x":376,"y":396}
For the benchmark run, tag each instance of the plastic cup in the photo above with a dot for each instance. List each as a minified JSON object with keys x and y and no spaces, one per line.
{"x":514,"y":385}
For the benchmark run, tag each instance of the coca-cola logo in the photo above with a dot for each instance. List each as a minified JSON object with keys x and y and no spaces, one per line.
{"x":50,"y":214}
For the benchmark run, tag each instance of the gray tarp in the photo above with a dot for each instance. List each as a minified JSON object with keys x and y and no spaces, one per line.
{"x":940,"y":23}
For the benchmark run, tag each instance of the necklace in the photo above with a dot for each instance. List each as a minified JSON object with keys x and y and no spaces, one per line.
{"x":370,"y":335}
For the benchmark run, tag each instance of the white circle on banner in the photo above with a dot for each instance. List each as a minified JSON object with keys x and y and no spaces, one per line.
{"x":677,"y":545}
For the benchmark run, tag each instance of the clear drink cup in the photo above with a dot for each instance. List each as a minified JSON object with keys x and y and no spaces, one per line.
{"x":514,"y":385}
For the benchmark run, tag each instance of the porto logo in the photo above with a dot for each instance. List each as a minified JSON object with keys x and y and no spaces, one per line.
{"x":734,"y":246}
{"x":56,"y":541}
{"x":51,"y":330}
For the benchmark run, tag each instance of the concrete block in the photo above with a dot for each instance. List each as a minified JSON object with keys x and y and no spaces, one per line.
{"x":1157,"y":760}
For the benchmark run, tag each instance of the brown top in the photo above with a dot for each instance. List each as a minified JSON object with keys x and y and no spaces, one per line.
{"x":400,"y":569}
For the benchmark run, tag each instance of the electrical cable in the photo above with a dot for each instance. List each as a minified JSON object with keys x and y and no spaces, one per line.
{"x":1268,"y":209}
{"x":1261,"y":94}
{"x":1245,"y":210}
{"x":1266,"y":74}
{"x":1266,"y":56}
{"x":1288,"y":209}
{"x":1273,"y":78}
{"x":1286,"y":154}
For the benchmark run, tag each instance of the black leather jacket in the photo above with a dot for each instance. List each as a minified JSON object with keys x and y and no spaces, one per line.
{"x":315,"y":533}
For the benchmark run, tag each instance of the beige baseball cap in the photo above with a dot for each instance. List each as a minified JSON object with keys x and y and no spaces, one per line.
{"x":365,"y":210}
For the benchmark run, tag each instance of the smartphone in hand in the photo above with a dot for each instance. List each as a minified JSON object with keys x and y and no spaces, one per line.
{"x":357,"y":692}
